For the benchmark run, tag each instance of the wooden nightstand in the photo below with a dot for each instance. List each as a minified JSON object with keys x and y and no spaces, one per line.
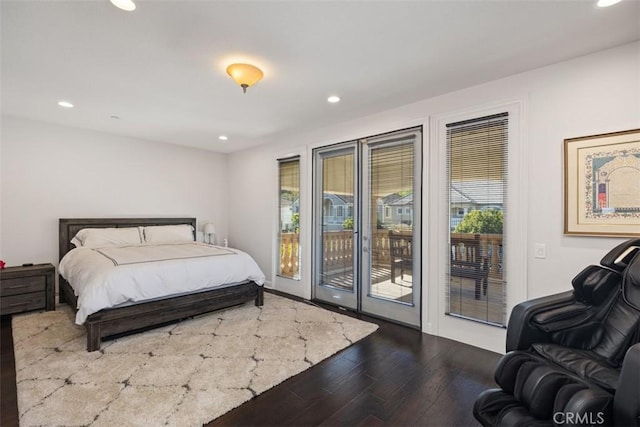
{"x":27,"y":288}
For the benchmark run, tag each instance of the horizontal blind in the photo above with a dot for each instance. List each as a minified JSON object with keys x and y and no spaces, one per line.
{"x":289,"y":172}
{"x":391,"y":164}
{"x":392,"y":170}
{"x":477,"y":154}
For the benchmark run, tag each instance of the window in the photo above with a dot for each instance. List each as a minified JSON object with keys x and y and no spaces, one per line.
{"x":477,"y":179}
{"x":350,"y":210}
{"x":339,"y":211}
{"x":399,"y":211}
{"x":327,"y":208}
{"x":407,"y":211}
{"x":387,"y":212}
{"x":289,"y":236}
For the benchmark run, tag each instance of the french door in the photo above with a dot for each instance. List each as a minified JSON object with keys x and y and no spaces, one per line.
{"x":367,"y":210}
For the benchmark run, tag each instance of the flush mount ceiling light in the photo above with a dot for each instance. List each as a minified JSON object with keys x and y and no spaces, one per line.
{"x":65,"y":104}
{"x":333,"y":99}
{"x":127,"y":5}
{"x":223,"y":137}
{"x":607,"y":3}
{"x":245,"y":74}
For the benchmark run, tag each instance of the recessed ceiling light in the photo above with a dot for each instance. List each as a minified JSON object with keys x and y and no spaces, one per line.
{"x":607,"y":3}
{"x":127,"y":5}
{"x":223,"y":137}
{"x":65,"y":104}
{"x":333,"y":99}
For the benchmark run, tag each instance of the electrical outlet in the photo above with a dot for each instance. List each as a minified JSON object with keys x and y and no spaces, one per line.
{"x":541,"y":250}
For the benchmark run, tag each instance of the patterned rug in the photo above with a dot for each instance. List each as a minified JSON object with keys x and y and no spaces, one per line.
{"x":184,"y":374}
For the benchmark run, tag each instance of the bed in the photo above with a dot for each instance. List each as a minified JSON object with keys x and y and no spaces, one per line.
{"x":145,"y":314}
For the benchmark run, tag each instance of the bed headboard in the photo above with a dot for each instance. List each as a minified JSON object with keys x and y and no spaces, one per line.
{"x":68,"y":227}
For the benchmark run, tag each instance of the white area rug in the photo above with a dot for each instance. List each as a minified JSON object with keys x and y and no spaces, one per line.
{"x":185,"y":374}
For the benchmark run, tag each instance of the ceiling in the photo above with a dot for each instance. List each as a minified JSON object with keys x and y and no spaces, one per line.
{"x":161,"y":68}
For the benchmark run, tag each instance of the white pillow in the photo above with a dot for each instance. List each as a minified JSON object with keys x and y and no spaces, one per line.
{"x":168,"y":233}
{"x":101,"y":237}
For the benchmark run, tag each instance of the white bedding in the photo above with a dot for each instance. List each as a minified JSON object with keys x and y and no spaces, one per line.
{"x":107,"y":277}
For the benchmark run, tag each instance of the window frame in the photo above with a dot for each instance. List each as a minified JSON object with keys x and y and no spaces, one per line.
{"x":470,"y":332}
{"x":278,"y":273}
{"x":299,"y":288}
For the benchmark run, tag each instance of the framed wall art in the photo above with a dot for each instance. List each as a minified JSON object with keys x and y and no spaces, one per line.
{"x":602,"y":184}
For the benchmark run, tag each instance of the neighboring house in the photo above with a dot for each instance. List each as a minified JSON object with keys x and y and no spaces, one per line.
{"x":335,"y":210}
{"x":470,"y":196}
{"x":287,"y":209}
{"x":395,"y":209}
{"x":286,"y":214}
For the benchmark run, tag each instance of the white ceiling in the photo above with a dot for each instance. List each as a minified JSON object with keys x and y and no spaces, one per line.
{"x":161,"y":67}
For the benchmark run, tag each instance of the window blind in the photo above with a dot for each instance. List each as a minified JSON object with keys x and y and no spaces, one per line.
{"x":391,"y":179}
{"x":477,"y":155}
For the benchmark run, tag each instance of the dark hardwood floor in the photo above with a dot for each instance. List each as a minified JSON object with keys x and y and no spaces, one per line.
{"x":396,"y":376}
{"x":8,"y":398}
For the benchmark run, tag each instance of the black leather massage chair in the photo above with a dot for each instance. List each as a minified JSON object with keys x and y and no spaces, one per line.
{"x":573,"y":358}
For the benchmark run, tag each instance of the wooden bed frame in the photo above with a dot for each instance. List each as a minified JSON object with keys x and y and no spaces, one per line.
{"x":143,"y":315}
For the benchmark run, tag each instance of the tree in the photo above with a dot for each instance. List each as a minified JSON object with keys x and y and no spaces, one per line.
{"x":295,"y":222}
{"x":487,"y":221}
{"x":348,"y":223}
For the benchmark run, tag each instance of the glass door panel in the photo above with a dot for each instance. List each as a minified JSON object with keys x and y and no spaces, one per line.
{"x":391,"y":227}
{"x":336,"y":255}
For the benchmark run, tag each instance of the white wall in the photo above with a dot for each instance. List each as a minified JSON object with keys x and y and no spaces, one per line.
{"x":50,"y":172}
{"x":589,"y":95}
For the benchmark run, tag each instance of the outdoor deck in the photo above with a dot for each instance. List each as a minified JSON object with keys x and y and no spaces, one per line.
{"x":462,"y":301}
{"x":338,"y":255}
{"x":381,"y":284}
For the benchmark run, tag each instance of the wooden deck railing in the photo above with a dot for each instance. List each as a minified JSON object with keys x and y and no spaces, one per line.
{"x":338,"y":251}
{"x":491,"y":248}
{"x":289,"y":255}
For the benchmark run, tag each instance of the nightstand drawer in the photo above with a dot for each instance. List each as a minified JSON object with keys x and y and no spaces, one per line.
{"x":22,"y":285}
{"x":22,"y":302}
{"x":27,"y":287}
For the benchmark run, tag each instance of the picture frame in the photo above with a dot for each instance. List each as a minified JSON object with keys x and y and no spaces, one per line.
{"x":602,"y":184}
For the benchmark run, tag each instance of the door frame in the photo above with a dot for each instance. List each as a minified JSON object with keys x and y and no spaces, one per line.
{"x":372,"y":305}
{"x":360,"y":288}
{"x":341,"y":297}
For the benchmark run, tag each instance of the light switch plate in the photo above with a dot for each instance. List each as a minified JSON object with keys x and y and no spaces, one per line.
{"x":541,"y":250}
